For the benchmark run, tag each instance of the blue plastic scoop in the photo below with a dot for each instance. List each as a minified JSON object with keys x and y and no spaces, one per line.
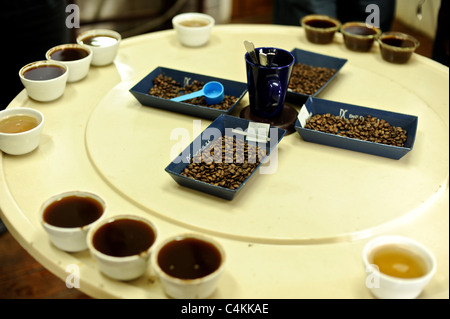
{"x":213,"y":92}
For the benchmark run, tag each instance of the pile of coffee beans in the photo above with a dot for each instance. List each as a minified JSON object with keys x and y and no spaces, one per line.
{"x":166,"y":87}
{"x":364,"y":128}
{"x":307,"y":79}
{"x":225,"y":162}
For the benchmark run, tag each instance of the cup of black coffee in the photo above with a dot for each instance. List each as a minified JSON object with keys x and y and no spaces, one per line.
{"x":122,"y":245}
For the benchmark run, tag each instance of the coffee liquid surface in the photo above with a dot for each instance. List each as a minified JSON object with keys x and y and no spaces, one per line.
{"x":18,"y":124}
{"x":398,"y":42}
{"x":399,"y":262}
{"x":189,"y":258}
{"x":69,"y":54}
{"x":359,"y":30}
{"x":194,"y":23}
{"x":43,"y":72}
{"x":319,"y":23}
{"x":73,"y":211}
{"x":123,"y":237}
{"x":99,"y":40}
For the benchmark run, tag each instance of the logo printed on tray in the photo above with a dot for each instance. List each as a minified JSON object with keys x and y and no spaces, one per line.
{"x":304,"y":115}
{"x":343,"y":112}
{"x":186,"y":81}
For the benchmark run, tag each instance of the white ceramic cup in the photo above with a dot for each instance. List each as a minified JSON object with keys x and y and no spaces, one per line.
{"x":193,"y":36}
{"x":389,"y":287}
{"x":179,"y":288}
{"x":103,"y":53}
{"x":78,"y":69}
{"x":44,"y":90}
{"x":70,"y":239}
{"x":22,"y":142}
{"x":126,"y":267}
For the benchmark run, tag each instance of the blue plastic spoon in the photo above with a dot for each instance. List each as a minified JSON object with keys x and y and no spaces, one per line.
{"x":213,"y":92}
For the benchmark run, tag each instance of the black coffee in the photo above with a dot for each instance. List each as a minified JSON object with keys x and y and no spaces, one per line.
{"x":43,"y":72}
{"x":123,"y":237}
{"x":189,"y":258}
{"x":69,"y":54}
{"x":73,"y":211}
{"x":319,"y":23}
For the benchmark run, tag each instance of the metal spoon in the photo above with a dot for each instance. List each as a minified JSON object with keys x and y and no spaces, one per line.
{"x":251,"y":51}
{"x":419,"y":10}
{"x":270,"y":57}
{"x":262,"y":58}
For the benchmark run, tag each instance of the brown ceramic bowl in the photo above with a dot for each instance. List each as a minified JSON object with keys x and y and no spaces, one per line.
{"x":397,"y":47}
{"x":320,"y":29}
{"x":359,"y":36}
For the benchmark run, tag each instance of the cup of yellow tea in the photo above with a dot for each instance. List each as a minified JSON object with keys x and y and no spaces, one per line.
{"x":397,"y":267}
{"x":20,"y":130}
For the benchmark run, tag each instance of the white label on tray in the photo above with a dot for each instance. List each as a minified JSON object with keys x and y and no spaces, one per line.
{"x":303,"y":115}
{"x":258,"y":132}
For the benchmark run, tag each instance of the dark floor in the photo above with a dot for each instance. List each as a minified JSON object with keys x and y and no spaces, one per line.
{"x":22,"y":277}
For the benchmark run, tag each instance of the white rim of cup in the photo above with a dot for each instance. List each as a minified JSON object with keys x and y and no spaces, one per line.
{"x":18,"y":111}
{"x":104,"y":256}
{"x":305,"y":19}
{"x":96,"y":32}
{"x":398,"y":35}
{"x":69,"y":45}
{"x":406,"y":242}
{"x":189,"y":15}
{"x":60,"y":196}
{"x":42,"y":62}
{"x":360,"y":36}
{"x":195,"y":281}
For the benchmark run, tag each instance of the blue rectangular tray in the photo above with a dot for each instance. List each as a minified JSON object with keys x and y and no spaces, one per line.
{"x":141,"y":89}
{"x":321,"y":106}
{"x":315,"y":60}
{"x":222,"y":124}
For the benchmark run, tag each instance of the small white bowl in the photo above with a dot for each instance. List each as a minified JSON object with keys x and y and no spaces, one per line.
{"x":182,"y":288}
{"x":126,"y":267}
{"x":22,"y":142}
{"x":384,"y":286}
{"x":44,"y":90}
{"x":70,"y":239}
{"x":78,"y":68}
{"x":193,"y":36}
{"x":104,"y":53}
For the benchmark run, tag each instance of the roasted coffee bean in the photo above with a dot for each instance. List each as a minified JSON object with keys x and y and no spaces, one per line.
{"x":368,"y":128}
{"x":167,"y":88}
{"x":226,"y":162}
{"x":307,"y":79}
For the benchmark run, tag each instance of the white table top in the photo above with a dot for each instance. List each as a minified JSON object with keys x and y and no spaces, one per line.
{"x":296,"y":233}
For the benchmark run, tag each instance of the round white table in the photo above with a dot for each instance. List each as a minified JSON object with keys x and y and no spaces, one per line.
{"x":297,"y":232}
